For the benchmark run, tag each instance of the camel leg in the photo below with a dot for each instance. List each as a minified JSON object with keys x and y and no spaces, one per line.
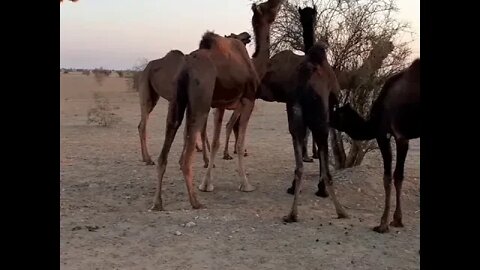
{"x":305,"y":156}
{"x":233,"y":121}
{"x":297,"y":131}
{"x":182,"y":155}
{"x":386,"y":151}
{"x":402,"y":149}
{"x":148,"y":100}
{"x":194,"y":122}
{"x":314,"y":150}
{"x":198,"y":143}
{"x":326,"y":181}
{"x":206,"y":149}
{"x":245,"y":114}
{"x":206,"y":184}
{"x":176,"y":111}
{"x":235,"y":132}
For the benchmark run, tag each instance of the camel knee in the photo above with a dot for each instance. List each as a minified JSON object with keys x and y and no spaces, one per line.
{"x":398,"y":177}
{"x":141,"y":126}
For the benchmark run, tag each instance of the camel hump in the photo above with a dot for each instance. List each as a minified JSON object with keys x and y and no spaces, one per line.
{"x":317,"y":54}
{"x":415,"y":65}
{"x":208,"y":39}
{"x":177,"y":52}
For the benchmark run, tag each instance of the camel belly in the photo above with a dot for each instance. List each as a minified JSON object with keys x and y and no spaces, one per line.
{"x":227,"y":97}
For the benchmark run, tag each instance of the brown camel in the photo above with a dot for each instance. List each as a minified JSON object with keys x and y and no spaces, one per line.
{"x":158,"y":79}
{"x":395,"y":112}
{"x":219,"y":75}
{"x":280,"y":68}
{"x":306,"y":84}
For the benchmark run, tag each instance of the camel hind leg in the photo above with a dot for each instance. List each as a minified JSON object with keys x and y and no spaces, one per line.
{"x":246,"y":112}
{"x":148,"y":100}
{"x":205,"y":145}
{"x":297,"y":130}
{"x":195,"y":121}
{"x":325,"y":185}
{"x":402,"y":149}
{"x":206,"y":184}
{"x":230,"y":126}
{"x":386,"y":151}
{"x":305,"y":156}
{"x":176,"y":110}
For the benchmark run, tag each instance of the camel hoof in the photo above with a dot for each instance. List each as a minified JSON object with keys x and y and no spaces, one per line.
{"x":227,"y":157}
{"x":245,"y":154}
{"x":156,"y":207}
{"x":197,"y":206}
{"x":206,"y":188}
{"x":307,"y":159}
{"x":149,"y":162}
{"x":322,"y":193}
{"x":206,"y":165}
{"x":381,"y":229}
{"x":246,"y":188}
{"x":396,"y":223}
{"x":291,"y":190}
{"x":342,"y":215}
{"x":290,"y":218}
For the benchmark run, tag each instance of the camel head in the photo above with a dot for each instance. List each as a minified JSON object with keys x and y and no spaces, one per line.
{"x":244,"y":37}
{"x":344,"y":117}
{"x":265,"y":13}
{"x":308,"y":15}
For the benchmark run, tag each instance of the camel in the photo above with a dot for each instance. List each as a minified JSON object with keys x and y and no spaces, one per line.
{"x":282,"y":64}
{"x":396,"y":111}
{"x":307,"y":84}
{"x":158,"y":79}
{"x":219,"y":75}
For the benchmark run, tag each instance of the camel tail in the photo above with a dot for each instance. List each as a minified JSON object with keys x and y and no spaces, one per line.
{"x":181,"y":95}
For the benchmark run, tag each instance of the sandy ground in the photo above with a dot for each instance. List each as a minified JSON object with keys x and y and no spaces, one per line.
{"x":106,"y":191}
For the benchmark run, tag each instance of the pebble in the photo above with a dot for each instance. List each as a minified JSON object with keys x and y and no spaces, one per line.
{"x":190,"y":224}
{"x":178,"y":233}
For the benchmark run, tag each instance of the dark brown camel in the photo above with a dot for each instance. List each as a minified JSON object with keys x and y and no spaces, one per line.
{"x":395,"y":112}
{"x":280,"y":68}
{"x":218,"y":75}
{"x":158,"y":79}
{"x":306,"y":84}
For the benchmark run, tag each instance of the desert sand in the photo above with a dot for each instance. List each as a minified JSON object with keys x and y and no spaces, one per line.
{"x":106,"y":191}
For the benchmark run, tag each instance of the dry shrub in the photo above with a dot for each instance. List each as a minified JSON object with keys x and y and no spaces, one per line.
{"x":102,"y":114}
{"x":134,"y":74}
{"x":100,"y":75}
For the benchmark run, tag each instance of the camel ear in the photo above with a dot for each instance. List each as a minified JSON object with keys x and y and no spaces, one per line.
{"x":256,"y":8}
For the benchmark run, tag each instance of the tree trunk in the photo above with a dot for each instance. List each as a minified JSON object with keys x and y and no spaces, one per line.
{"x":336,"y":142}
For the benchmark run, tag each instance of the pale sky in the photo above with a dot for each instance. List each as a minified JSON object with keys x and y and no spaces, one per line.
{"x":116,"y":34}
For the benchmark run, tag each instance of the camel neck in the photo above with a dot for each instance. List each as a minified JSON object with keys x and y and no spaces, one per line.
{"x":361,"y":130}
{"x":308,"y":38}
{"x":262,"y":50}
